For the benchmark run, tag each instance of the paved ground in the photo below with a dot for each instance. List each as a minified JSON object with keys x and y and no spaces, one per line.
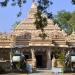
{"x":39,"y":72}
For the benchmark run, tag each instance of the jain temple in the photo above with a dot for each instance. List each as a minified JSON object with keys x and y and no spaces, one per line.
{"x":25,"y":39}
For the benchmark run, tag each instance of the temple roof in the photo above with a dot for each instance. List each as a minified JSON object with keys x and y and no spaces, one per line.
{"x":26,"y":34}
{"x":27,"y":25}
{"x":6,"y":40}
{"x":71,"y":38}
{"x":64,"y":33}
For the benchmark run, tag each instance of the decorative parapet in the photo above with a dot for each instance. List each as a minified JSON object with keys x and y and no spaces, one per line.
{"x":41,"y":43}
{"x":5,"y":40}
{"x":71,"y":39}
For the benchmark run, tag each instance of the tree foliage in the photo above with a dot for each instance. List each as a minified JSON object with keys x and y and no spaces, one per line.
{"x":42,"y":15}
{"x":66,"y":20}
{"x":14,"y":2}
{"x":73,"y":1}
{"x":4,"y":3}
{"x":19,"y":3}
{"x":63,"y":17}
{"x":72,"y":21}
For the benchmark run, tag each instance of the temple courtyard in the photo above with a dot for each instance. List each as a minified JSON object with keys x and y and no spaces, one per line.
{"x":40,"y":72}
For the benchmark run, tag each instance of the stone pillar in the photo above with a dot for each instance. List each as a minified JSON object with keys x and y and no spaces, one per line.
{"x":32,"y":54}
{"x":49,"y":64}
{"x":11,"y":53}
{"x":33,"y":58}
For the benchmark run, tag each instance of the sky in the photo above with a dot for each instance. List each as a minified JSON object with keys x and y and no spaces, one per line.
{"x":8,"y":14}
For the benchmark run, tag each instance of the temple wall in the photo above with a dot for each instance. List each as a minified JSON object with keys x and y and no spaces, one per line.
{"x":4,"y":54}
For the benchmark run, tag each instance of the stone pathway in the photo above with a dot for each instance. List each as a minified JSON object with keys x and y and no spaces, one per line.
{"x":40,"y":72}
{"x":44,"y":72}
{"x":13,"y":74}
{"x":49,"y":72}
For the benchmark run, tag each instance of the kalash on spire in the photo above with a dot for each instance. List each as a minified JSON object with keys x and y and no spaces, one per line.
{"x":33,"y":9}
{"x":34,"y":5}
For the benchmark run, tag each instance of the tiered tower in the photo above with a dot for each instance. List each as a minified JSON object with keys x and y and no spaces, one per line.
{"x":27,"y":26}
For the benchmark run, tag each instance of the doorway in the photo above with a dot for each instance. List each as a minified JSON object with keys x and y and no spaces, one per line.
{"x":39,"y":61}
{"x":26,"y":56}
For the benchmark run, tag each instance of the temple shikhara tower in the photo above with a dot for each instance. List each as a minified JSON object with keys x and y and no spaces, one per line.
{"x":25,"y":38}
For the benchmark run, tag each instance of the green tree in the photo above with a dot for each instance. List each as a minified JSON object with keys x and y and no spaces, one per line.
{"x":20,"y":3}
{"x":73,"y":1}
{"x":4,"y":3}
{"x":41,"y":16}
{"x":72,"y":21}
{"x":62,"y":19}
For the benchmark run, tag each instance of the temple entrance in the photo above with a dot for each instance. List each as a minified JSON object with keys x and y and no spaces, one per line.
{"x":26,"y":56}
{"x":39,"y":61}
